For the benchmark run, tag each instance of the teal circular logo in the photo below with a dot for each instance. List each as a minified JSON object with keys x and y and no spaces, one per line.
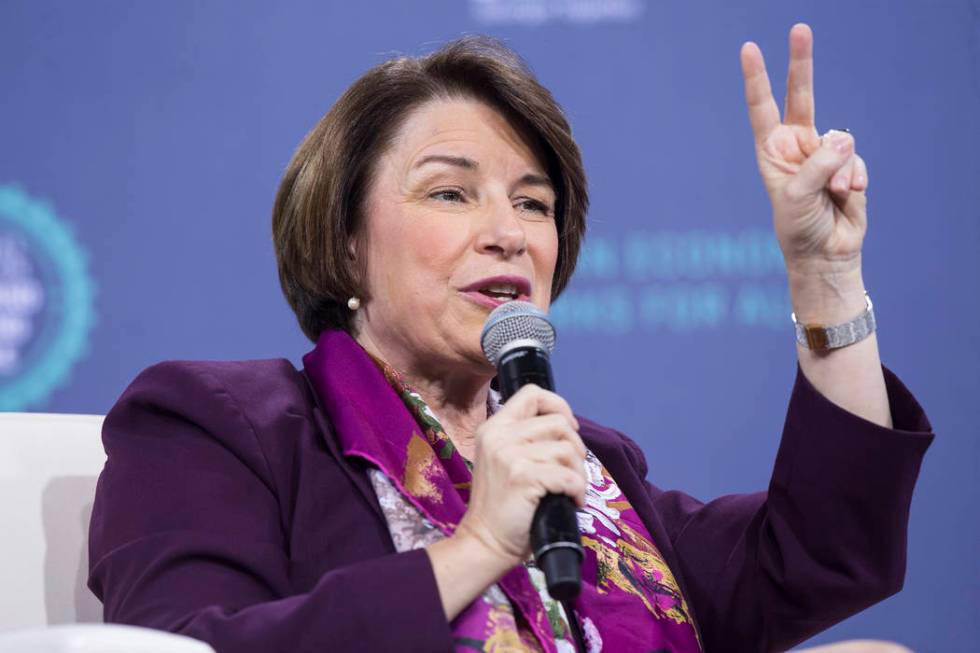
{"x":46,"y":300}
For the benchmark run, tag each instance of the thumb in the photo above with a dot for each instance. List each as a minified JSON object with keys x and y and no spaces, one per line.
{"x":835,"y":150}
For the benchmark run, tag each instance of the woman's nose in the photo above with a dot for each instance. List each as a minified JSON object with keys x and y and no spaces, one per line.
{"x":503,"y":231}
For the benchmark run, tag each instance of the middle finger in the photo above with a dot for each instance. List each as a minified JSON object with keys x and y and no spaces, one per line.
{"x":548,"y":427}
{"x":799,"y":107}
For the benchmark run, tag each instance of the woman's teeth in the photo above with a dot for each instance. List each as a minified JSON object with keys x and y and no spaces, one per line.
{"x":509,"y":292}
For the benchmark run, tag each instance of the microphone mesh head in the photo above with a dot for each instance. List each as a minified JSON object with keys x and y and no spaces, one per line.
{"x":515,"y":320}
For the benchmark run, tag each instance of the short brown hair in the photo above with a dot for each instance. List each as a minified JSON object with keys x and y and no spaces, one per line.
{"x":317,"y":213}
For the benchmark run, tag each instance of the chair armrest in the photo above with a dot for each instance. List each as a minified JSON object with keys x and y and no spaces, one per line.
{"x":857,"y":646}
{"x":98,"y":638}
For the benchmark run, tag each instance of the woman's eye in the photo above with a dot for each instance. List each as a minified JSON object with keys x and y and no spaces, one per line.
{"x":448,"y":195}
{"x":535,"y":205}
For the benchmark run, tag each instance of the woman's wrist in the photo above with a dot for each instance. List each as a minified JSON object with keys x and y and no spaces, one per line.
{"x":827,"y":295}
{"x":464,"y":567}
{"x":482,"y":551}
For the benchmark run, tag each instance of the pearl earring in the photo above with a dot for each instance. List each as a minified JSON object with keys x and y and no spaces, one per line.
{"x":353,"y":303}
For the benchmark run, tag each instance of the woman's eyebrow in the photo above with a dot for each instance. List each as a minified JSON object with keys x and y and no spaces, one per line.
{"x":459,"y":161}
{"x":531,"y":179}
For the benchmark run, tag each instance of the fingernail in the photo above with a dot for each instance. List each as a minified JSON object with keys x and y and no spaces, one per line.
{"x":841,"y":142}
{"x":860,"y":181}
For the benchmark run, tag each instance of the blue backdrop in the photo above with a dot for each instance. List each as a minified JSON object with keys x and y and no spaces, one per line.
{"x":141,"y":145}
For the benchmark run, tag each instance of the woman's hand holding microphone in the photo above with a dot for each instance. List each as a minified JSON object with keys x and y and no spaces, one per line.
{"x":529,"y":448}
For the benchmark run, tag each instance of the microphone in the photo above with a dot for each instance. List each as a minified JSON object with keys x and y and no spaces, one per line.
{"x":517,"y":339}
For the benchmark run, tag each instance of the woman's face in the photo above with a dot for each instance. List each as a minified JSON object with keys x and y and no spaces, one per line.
{"x":459,"y":218}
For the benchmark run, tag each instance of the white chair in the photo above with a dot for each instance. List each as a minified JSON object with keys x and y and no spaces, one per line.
{"x":49,"y":465}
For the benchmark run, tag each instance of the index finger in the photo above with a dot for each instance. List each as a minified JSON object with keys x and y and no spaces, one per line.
{"x":532,"y":400}
{"x":763,"y":112}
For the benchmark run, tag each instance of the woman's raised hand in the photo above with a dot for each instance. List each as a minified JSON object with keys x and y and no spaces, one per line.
{"x":817,"y":189}
{"x":816,"y":185}
{"x":529,"y":448}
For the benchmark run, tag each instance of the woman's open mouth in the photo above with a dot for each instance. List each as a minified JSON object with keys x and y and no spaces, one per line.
{"x":494,"y":291}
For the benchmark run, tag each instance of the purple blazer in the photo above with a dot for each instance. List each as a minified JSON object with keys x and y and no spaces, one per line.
{"x":225,"y":512}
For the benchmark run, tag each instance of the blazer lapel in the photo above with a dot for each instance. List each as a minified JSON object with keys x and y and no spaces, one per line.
{"x":328,"y":436}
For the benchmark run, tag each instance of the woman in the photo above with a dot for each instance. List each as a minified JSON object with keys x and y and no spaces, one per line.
{"x":381,"y":498}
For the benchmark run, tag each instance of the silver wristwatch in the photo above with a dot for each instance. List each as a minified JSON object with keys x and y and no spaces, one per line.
{"x":822,"y":338}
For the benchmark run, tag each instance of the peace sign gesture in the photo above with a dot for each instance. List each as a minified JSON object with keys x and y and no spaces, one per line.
{"x":816,"y":185}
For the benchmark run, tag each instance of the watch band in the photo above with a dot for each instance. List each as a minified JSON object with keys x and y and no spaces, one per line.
{"x":823,"y":338}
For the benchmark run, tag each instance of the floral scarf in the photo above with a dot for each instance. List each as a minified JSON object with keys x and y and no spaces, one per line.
{"x":630,"y":600}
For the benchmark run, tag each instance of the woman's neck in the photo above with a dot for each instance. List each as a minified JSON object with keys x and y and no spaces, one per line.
{"x":456,"y":395}
{"x":460,"y":407}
